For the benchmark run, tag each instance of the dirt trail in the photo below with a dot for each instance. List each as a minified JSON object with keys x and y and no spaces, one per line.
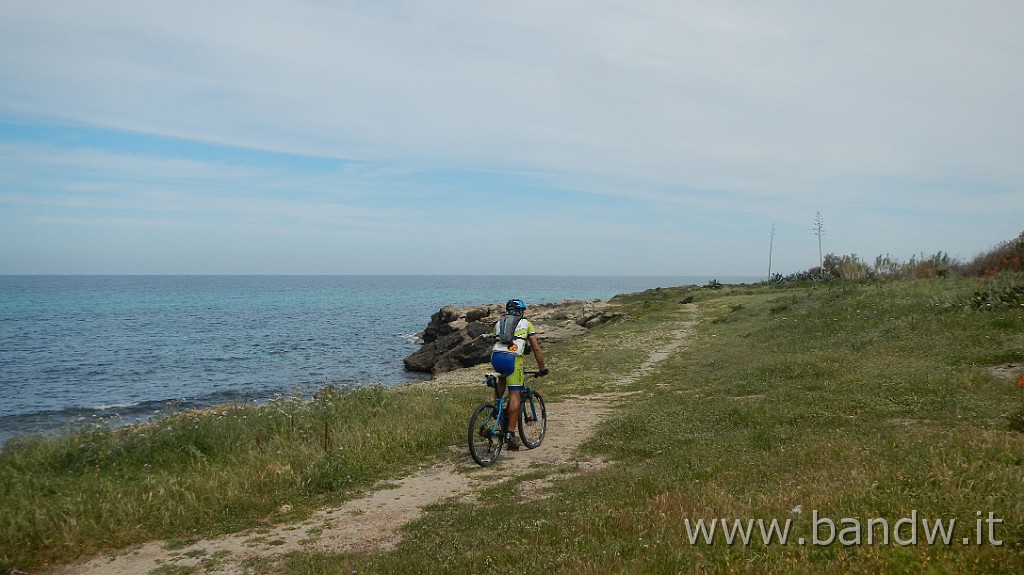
{"x":373,"y":522}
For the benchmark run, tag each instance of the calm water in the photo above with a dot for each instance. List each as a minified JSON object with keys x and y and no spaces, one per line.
{"x":80,"y":347}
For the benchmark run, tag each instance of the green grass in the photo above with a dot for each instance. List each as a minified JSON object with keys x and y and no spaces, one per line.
{"x":852,"y":400}
{"x":200,"y":474}
{"x":855,"y":401}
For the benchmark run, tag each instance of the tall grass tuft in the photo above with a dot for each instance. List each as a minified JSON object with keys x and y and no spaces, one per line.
{"x":202,"y":473}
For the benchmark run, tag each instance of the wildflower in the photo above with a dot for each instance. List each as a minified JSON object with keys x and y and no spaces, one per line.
{"x":1020,"y":381}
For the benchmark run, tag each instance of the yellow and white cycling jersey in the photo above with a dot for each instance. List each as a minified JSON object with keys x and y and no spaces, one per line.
{"x":524,"y":329}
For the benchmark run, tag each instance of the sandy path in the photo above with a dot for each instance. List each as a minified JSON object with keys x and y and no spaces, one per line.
{"x":373,"y":521}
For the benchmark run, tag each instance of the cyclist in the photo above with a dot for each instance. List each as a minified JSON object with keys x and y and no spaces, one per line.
{"x":507,"y":360}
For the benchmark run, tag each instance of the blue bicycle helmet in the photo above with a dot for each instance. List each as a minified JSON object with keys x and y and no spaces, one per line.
{"x":515,"y":306}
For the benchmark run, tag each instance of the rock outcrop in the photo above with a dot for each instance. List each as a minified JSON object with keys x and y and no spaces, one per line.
{"x":458,"y":337}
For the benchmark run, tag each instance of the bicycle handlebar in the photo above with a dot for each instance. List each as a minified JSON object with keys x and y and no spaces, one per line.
{"x":535,"y":374}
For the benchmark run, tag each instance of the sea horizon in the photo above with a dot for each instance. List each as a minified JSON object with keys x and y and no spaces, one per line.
{"x":77,"y":348}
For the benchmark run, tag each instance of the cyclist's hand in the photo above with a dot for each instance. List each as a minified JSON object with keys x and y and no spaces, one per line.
{"x":541,"y":373}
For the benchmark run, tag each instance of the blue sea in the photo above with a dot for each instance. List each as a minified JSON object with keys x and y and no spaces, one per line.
{"x":77,"y":348}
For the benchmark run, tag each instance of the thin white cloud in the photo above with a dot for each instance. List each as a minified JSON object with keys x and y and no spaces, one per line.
{"x":580,"y":86}
{"x":161,"y":189}
{"x":773,"y":109}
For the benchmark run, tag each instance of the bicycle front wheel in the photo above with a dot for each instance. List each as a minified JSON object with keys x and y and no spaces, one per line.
{"x":533,"y":419}
{"x":485,"y":435}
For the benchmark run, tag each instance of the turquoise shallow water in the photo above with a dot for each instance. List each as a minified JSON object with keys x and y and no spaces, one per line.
{"x":74,"y":348}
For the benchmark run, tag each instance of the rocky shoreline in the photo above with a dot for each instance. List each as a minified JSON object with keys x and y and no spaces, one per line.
{"x":457,"y":337}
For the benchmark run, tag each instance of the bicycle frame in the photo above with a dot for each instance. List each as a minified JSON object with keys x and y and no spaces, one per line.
{"x":489,"y":426}
{"x":501,"y":403}
{"x":525,"y":398}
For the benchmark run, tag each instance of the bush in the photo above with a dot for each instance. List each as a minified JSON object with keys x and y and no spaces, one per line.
{"x":1003,"y":292}
{"x":1007,"y":256}
{"x":851,"y":267}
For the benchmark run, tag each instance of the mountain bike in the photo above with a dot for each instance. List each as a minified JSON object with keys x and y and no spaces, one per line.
{"x":489,"y":424}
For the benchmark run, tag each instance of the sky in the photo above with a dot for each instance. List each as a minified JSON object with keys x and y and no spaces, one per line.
{"x":523,"y":137}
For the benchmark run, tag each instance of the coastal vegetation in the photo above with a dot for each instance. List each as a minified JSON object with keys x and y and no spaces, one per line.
{"x":1008,"y":256}
{"x":878,"y":396}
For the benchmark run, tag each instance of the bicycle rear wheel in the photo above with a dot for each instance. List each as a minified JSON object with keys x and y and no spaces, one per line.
{"x":533,"y":419}
{"x":485,"y":435}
